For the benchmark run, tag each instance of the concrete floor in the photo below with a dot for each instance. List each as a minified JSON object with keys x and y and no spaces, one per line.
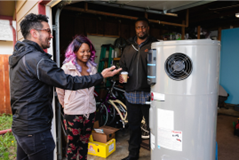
{"x":122,"y":138}
{"x":227,"y":143}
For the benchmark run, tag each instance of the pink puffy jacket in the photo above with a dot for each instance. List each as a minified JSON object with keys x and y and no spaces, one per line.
{"x":80,"y":102}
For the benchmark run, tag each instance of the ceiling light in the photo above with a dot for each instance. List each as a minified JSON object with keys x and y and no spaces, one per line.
{"x":237,"y":15}
{"x":172,"y":14}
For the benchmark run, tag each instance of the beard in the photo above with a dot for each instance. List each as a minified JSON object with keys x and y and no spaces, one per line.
{"x":143,"y":37}
{"x":44,"y":42}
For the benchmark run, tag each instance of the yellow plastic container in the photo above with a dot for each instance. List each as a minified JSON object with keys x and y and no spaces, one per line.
{"x":101,"y":149}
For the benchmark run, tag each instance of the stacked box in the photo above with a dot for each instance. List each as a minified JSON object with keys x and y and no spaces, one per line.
{"x":101,"y":149}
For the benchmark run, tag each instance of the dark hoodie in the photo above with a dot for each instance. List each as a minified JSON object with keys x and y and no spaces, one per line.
{"x":134,"y":60}
{"x":32,"y":75}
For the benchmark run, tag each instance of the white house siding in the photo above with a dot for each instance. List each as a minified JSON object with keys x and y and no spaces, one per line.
{"x":22,"y":9}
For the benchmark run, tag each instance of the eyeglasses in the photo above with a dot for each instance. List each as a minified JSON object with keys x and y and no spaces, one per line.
{"x":142,"y":27}
{"x":47,"y":30}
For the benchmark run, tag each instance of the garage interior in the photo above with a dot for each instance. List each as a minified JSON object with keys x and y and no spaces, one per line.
{"x":105,"y":21}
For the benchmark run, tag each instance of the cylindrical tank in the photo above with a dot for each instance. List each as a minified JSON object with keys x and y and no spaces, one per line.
{"x":183,"y":112}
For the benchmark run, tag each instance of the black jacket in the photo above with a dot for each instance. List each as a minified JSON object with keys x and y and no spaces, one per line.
{"x":32,"y":75}
{"x":134,"y":60}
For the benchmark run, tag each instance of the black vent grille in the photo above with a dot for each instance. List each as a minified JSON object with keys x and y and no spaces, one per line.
{"x":178,"y":66}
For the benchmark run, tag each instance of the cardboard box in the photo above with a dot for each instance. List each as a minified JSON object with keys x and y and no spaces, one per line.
{"x":96,"y":124}
{"x":101,"y":149}
{"x":109,"y":133}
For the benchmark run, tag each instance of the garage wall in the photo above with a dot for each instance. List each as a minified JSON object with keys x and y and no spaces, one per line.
{"x":97,"y":41}
{"x":100,"y":29}
{"x":229,"y":75}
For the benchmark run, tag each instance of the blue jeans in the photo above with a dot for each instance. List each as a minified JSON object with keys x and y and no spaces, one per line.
{"x":37,"y":146}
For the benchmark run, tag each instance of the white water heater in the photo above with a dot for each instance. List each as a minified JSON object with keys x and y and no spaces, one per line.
{"x":184,"y":77}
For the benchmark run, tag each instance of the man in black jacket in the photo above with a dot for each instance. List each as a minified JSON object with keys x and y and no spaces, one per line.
{"x":32,"y":76}
{"x":134,"y":61}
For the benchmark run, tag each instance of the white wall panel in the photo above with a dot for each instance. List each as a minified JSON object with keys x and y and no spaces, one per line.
{"x":97,"y":41}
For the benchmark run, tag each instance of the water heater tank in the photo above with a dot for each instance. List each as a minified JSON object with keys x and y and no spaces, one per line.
{"x":183,"y":112}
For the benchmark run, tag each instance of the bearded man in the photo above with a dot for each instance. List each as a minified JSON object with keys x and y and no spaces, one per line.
{"x":32,"y":76}
{"x":134,"y":61}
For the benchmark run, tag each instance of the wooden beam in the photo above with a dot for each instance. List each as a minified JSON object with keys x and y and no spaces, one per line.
{"x":167,"y":23}
{"x":199,"y":31}
{"x":99,"y":12}
{"x":6,"y":17}
{"x":219,"y":33}
{"x":119,"y":28}
{"x":103,"y":35}
{"x":120,"y":16}
{"x":146,"y":15}
{"x":187,"y":18}
{"x":86,"y":6}
{"x":183,"y":31}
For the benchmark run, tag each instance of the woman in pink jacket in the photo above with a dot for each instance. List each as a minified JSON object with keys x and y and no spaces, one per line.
{"x":79,"y":106}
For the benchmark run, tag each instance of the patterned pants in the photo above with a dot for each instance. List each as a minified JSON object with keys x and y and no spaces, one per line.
{"x":78,"y":130}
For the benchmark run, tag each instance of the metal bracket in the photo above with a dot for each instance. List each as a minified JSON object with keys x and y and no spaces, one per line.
{"x":54,"y":27}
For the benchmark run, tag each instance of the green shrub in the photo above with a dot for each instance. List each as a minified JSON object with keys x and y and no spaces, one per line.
{"x":5,"y":121}
{"x":8,"y":145}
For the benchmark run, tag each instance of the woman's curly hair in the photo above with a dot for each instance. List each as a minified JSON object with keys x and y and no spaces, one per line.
{"x":73,"y":48}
